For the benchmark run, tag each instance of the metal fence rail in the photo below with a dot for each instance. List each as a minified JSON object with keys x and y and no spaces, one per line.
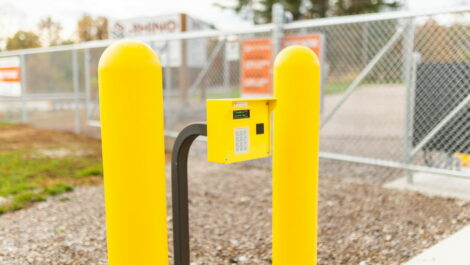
{"x":395,"y":90}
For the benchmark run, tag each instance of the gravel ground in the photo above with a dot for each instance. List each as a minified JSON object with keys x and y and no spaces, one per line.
{"x":56,"y":231}
{"x":230,"y":222}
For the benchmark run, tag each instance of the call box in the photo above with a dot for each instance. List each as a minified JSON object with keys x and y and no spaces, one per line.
{"x":238,"y":129}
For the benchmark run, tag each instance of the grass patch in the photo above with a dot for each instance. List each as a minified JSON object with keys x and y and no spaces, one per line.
{"x":93,"y":170}
{"x":57,"y":189}
{"x":59,"y":230}
{"x":26,"y":177}
{"x":21,"y":201}
{"x":335,"y":88}
{"x":29,"y":197}
{"x":4,"y":124}
{"x":64,"y":199}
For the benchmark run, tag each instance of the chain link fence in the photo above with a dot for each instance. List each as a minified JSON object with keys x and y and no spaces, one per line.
{"x":395,"y":89}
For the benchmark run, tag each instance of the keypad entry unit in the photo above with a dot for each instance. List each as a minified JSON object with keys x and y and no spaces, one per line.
{"x":238,"y":129}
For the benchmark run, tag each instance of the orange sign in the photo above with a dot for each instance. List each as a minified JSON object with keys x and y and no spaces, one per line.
{"x":9,"y":74}
{"x":256,"y":66}
{"x":256,"y":60}
{"x":313,"y":41}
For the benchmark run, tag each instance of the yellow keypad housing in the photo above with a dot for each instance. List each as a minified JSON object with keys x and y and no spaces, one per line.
{"x":238,"y":129}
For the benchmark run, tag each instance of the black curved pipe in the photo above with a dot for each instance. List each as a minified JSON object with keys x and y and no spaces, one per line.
{"x":179,"y":190}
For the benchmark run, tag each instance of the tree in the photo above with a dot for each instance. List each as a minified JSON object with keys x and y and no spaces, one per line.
{"x":352,"y":7}
{"x":85,"y":28}
{"x":10,"y":18}
{"x":301,"y":9}
{"x":101,"y":28}
{"x":90,"y":28}
{"x":49,"y":31}
{"x":431,"y":35}
{"x":319,"y":8}
{"x":292,"y":6}
{"x":67,"y":42}
{"x":23,"y":40}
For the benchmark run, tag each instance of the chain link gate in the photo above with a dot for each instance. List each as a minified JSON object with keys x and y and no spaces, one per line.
{"x":395,"y":90}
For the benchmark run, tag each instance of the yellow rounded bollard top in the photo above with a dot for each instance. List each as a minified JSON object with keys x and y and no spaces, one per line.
{"x":131,"y":105}
{"x":297,"y":56}
{"x":128,"y":54}
{"x":295,"y":156}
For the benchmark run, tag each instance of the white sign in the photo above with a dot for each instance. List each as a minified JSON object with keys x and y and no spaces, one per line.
{"x":146,"y":26}
{"x":169,"y":52}
{"x":10,"y":77}
{"x":232,"y":51}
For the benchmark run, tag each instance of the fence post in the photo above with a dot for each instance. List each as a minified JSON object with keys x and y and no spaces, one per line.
{"x":76,"y":89}
{"x":131,"y":105}
{"x":168,"y":82}
{"x":226,"y":76}
{"x":24,"y":102}
{"x":295,"y":156}
{"x":86,"y":69}
{"x":278,"y":33}
{"x":409,"y":72}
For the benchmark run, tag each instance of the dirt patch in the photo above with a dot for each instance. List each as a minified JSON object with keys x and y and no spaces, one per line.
{"x":17,"y":136}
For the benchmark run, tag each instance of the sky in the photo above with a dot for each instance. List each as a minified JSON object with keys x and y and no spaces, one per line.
{"x":25,"y":14}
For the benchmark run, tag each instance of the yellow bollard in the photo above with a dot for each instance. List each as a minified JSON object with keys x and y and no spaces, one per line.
{"x":131,"y":105}
{"x":295,"y":156}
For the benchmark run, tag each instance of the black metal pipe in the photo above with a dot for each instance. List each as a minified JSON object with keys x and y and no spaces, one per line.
{"x":179,"y":190}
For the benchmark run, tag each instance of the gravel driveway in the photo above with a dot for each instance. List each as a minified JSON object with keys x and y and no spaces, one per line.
{"x":230,"y":222}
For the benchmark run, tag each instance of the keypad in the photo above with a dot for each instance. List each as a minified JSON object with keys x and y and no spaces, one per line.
{"x":241,"y":140}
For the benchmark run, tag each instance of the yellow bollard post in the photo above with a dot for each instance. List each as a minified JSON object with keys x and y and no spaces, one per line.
{"x":295,"y":156}
{"x":131,"y":105}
